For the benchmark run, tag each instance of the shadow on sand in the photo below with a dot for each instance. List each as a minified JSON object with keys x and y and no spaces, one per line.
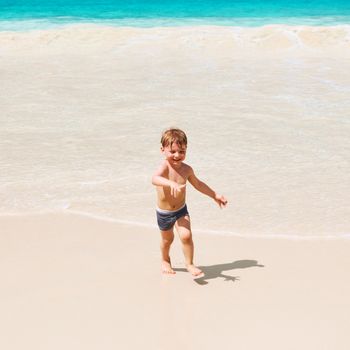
{"x":215,"y":271}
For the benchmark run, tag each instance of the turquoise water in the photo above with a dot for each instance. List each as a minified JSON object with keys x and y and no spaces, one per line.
{"x":35,"y":14}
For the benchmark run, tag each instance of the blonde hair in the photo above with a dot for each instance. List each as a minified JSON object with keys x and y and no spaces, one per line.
{"x":173,"y":135}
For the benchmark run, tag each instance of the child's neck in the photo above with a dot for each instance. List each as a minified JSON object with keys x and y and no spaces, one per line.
{"x":175,"y":166}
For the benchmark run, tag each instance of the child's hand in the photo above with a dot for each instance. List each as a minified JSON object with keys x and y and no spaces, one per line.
{"x":175,"y":188}
{"x":221,"y":200}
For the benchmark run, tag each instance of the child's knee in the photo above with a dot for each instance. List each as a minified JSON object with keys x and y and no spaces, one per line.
{"x":186,"y":237}
{"x":166,"y":241}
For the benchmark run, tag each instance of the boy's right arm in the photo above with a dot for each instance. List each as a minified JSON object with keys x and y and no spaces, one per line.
{"x":159,"y":179}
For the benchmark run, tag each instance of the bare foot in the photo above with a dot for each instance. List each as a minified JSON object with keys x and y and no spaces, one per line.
{"x":166,"y":268}
{"x":195,"y":271}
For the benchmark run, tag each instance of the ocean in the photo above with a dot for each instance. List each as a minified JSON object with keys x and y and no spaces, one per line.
{"x":35,"y":14}
{"x":261,"y":88}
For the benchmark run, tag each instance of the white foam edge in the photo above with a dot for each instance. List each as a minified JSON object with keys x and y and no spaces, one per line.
{"x":292,"y":237}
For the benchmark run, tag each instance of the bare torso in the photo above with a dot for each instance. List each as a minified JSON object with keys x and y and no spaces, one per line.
{"x":165,"y":200}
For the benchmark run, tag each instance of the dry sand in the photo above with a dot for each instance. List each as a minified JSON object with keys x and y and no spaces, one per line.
{"x":73,"y":282}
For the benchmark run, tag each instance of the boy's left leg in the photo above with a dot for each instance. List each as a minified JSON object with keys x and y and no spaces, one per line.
{"x":183,"y":227}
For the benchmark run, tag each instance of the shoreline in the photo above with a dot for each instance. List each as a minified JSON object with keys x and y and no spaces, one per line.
{"x":200,"y":232}
{"x":185,"y":28}
{"x":173,"y":22}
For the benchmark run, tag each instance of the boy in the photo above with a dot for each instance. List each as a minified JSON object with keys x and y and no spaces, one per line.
{"x":170,"y":180}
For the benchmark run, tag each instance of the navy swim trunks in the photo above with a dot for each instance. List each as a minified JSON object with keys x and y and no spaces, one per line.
{"x":166,"y":218}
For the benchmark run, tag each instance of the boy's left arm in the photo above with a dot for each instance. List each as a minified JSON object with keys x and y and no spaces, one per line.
{"x":204,"y":188}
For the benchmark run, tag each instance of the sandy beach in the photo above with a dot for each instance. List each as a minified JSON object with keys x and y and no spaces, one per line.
{"x":73,"y":282}
{"x":266,"y":111}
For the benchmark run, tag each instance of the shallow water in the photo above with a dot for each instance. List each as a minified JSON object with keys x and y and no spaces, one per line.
{"x":36,"y":14}
{"x":266,"y":111}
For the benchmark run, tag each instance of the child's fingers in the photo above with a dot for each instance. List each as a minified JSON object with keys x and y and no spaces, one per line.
{"x":222,"y":202}
{"x":178,"y":189}
{"x":174,"y":190}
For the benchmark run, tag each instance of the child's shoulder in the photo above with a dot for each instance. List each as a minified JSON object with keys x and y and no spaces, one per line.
{"x":162,"y":167}
{"x":187,"y":168}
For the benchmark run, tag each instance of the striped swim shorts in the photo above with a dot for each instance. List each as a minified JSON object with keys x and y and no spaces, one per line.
{"x":167,"y":218}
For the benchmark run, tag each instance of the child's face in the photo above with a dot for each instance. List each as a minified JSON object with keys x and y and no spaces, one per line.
{"x":174,"y":154}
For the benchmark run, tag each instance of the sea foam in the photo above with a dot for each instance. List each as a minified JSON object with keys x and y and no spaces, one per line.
{"x":261,"y":39}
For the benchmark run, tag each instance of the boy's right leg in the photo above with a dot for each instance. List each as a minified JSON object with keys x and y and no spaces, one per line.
{"x":183,"y":227}
{"x":167,"y":238}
